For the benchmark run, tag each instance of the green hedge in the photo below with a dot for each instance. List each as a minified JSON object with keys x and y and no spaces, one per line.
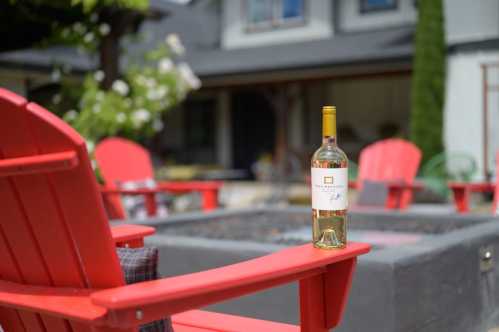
{"x":428,"y":79}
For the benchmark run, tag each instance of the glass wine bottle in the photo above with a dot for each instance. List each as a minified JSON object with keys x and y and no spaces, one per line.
{"x":329,"y":185}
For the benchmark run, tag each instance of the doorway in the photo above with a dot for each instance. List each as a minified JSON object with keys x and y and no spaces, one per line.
{"x":253,"y":128}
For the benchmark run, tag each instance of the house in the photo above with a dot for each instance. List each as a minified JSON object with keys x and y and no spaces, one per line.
{"x":268,"y":66}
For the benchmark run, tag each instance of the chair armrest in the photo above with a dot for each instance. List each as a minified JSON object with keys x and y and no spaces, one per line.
{"x":415,"y":186}
{"x":173,"y":187}
{"x":155,"y":299}
{"x":68,"y":303}
{"x":187,"y":186}
{"x":472,"y":186}
{"x":141,"y":191}
{"x":461,"y":193}
{"x":131,"y":235}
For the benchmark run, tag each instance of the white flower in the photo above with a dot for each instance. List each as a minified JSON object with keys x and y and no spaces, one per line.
{"x":120,"y":87}
{"x":104,"y":29}
{"x":120,"y":117}
{"x":96,"y":108}
{"x":99,"y":75}
{"x":140,"y":116}
{"x":88,"y":38}
{"x":188,"y":75}
{"x":70,"y":115}
{"x":165,"y":65}
{"x":78,"y":27}
{"x":56,"y":99}
{"x":157,"y":125}
{"x":157,"y":94}
{"x":150,"y":82}
{"x":174,"y":42}
{"x":90,"y":146}
{"x":55,"y":75}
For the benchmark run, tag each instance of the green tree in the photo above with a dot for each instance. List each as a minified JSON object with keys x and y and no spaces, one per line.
{"x":428,"y":79}
{"x":94,"y":25}
{"x":129,"y":103}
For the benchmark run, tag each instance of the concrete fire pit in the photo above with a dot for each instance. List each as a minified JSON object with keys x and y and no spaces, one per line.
{"x":427,"y":272}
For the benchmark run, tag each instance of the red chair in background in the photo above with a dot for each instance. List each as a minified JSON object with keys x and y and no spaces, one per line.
{"x":461,"y":192}
{"x":121,"y":160}
{"x":393,"y":162}
{"x":59,"y":270}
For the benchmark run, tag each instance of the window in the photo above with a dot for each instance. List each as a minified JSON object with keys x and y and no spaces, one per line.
{"x":268,"y":14}
{"x":367,"y":6}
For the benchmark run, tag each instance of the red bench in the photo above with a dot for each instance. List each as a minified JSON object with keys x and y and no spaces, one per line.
{"x":462,"y":190}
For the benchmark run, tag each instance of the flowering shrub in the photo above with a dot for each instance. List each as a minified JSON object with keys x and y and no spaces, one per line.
{"x":133,"y":107}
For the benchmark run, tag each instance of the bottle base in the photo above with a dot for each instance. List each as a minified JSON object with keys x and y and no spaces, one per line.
{"x":328,"y":246}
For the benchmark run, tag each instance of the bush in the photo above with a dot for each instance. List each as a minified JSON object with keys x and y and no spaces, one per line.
{"x":428,"y":80}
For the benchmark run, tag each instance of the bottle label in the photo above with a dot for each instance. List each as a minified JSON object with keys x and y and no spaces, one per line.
{"x":329,"y":188}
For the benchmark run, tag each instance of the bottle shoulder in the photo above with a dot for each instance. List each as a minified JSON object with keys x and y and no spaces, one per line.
{"x":330,"y":153}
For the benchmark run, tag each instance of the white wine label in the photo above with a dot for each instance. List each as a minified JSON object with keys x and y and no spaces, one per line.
{"x":329,"y":188}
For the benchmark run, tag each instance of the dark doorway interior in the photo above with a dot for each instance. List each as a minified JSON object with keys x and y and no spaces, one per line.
{"x":253,"y":128}
{"x":199,"y":131}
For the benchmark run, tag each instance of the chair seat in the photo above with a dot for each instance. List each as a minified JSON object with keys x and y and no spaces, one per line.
{"x":199,"y":321}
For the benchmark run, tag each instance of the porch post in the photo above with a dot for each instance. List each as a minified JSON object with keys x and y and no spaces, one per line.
{"x":224,"y":130}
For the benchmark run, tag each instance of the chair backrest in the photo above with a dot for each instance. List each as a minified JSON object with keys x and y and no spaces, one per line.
{"x":122,"y":160}
{"x":388,"y":160}
{"x":496,"y":192}
{"x":53,"y":228}
{"x":391,"y":159}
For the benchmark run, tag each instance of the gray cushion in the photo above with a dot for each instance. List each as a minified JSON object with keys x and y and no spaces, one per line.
{"x":138,"y":265}
{"x":374,"y":193}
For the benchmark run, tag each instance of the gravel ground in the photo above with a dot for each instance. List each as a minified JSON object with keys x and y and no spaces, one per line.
{"x":259,"y":227}
{"x":268,"y":225}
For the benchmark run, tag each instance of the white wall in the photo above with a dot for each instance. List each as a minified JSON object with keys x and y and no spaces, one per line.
{"x":468,"y":20}
{"x":351,"y":19}
{"x":463,"y":117}
{"x":234,"y":35}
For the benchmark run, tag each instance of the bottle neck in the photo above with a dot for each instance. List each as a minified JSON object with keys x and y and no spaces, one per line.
{"x":329,"y":140}
{"x":329,"y":128}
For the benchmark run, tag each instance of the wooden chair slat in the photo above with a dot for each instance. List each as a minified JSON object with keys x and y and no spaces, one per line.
{"x":51,"y":162}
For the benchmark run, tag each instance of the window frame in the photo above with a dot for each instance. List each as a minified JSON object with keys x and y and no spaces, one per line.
{"x":365,"y":9}
{"x":277,"y":21}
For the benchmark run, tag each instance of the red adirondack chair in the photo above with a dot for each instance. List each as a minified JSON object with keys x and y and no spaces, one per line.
{"x":121,"y":160}
{"x":395,"y":162}
{"x":59,"y":271}
{"x":462,"y":191}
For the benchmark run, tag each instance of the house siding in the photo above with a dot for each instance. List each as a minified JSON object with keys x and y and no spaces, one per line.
{"x":463,"y":122}
{"x":468,"y":21}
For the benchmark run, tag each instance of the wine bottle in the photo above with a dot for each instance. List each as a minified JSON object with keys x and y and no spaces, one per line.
{"x":329,"y":184}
